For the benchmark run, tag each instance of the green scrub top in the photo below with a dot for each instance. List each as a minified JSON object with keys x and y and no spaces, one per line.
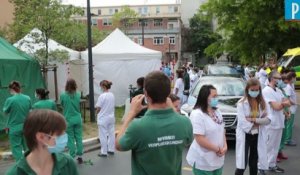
{"x":159,"y":135}
{"x":17,"y":108}
{"x":45,"y":104}
{"x":63,"y":165}
{"x":71,"y":107}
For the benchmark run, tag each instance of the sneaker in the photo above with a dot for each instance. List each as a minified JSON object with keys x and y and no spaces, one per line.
{"x":111,"y":153}
{"x":276,"y":169}
{"x":262,"y":172}
{"x":79,"y":160}
{"x":282,"y":156}
{"x":291,"y":143}
{"x":102,"y":155}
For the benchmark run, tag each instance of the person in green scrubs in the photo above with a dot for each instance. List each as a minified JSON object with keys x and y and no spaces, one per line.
{"x":45,"y":141}
{"x":70,"y":101}
{"x":44,"y":102}
{"x":16,"y":108}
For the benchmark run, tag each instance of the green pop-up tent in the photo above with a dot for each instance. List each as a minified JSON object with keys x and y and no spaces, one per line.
{"x":16,"y":65}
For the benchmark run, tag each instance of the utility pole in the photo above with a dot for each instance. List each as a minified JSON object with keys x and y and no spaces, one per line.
{"x":91,"y":76}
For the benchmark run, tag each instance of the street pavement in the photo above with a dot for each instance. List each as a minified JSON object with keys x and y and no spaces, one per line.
{"x":119,"y":164}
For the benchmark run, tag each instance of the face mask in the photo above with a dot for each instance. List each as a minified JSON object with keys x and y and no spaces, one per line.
{"x":253,"y":94}
{"x":213,"y":102}
{"x":60,"y":144}
{"x":278,"y":83}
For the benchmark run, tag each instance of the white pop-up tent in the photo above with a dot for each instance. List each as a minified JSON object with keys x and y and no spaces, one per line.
{"x":69,"y":68}
{"x":120,"y":60}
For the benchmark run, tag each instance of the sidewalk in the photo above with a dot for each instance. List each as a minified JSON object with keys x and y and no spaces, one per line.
{"x":89,"y":145}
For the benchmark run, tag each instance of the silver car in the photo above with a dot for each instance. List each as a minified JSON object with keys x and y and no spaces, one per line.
{"x":230,"y":90}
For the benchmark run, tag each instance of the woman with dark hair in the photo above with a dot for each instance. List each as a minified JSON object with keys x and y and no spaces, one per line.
{"x":206,"y":154}
{"x":175,"y":102}
{"x":16,"y":108}
{"x":106,"y":119}
{"x":44,"y":102}
{"x":46,"y":140}
{"x":251,"y":134}
{"x":179,"y":85}
{"x":70,"y":101}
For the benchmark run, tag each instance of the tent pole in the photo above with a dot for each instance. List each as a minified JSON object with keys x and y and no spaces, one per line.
{"x":55,"y":83}
{"x":91,"y":77}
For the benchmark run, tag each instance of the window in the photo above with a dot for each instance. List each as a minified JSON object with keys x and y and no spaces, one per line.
{"x":157,"y":10}
{"x":116,"y":10}
{"x":157,"y":22}
{"x":173,"y":9}
{"x":158,"y":40}
{"x":140,"y":10}
{"x":140,"y":41}
{"x":107,"y":22}
{"x":295,"y":61}
{"x":172,"y":40}
{"x":145,"y":10}
{"x":145,"y":22}
{"x":111,"y":11}
{"x":170,"y":26}
{"x":94,"y":22}
{"x":99,"y":11}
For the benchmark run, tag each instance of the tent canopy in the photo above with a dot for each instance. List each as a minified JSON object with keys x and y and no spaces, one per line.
{"x":29,"y":45}
{"x":118,"y":46}
{"x":120,"y":60}
{"x":16,"y":65}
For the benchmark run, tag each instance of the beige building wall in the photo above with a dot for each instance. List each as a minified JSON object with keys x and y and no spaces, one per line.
{"x":6,"y":12}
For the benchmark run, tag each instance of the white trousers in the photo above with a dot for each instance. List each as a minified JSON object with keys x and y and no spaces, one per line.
{"x":273,"y":144}
{"x":106,"y":131}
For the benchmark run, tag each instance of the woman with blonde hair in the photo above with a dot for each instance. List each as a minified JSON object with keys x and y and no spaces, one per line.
{"x":251,"y":135}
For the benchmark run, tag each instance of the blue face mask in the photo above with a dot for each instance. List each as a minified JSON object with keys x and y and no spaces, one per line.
{"x":253,"y":94}
{"x":280,"y":84}
{"x":213,"y":102}
{"x":60,"y":144}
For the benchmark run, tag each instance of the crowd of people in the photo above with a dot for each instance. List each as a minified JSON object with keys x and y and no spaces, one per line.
{"x":154,"y":130}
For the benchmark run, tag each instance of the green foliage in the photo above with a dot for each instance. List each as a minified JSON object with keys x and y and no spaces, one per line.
{"x":124,"y":18}
{"x":201,"y":33}
{"x":253,"y":28}
{"x":49,"y":16}
{"x":75,"y":36}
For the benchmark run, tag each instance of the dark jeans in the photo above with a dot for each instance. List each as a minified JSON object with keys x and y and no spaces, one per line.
{"x":251,"y":144}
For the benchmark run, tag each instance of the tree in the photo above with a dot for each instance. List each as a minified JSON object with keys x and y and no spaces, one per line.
{"x":200,"y":34}
{"x":125,"y":18}
{"x":49,"y":16}
{"x":253,"y":28}
{"x":77,"y":38}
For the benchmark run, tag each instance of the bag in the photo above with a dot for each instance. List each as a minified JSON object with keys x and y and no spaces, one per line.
{"x":186,"y":92}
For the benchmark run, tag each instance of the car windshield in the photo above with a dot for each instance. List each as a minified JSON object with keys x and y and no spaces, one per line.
{"x":282,"y":61}
{"x":222,"y":70}
{"x":224,"y":86}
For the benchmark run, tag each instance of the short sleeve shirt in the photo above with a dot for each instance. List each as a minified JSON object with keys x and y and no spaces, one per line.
{"x":71,"y":107}
{"x":180,"y":86}
{"x":106,"y":103}
{"x":290,"y":91}
{"x":203,"y":124}
{"x":157,"y":141}
{"x":276,"y":117}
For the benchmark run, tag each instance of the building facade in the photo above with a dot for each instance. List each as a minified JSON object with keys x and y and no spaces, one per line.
{"x":158,"y":26}
{"x":6,"y":13}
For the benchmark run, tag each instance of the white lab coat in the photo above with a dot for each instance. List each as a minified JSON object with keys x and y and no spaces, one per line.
{"x":243,"y":127}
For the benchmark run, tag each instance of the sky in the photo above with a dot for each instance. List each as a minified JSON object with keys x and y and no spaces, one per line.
{"x":102,"y":3}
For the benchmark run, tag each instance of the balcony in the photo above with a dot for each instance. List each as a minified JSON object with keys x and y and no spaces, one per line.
{"x":134,"y":31}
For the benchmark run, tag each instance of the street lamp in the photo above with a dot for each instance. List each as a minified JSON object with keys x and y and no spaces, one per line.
{"x":91,"y":81}
{"x":143,"y":26}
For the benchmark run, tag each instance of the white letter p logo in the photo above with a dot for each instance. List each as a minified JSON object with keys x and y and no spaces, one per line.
{"x":295,"y":9}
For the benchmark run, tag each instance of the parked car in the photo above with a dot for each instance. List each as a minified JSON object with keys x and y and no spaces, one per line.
{"x":230,"y":90}
{"x":220,"y":70}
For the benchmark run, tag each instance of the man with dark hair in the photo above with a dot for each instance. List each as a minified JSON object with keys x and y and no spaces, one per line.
{"x":186,"y":81}
{"x":157,"y":139}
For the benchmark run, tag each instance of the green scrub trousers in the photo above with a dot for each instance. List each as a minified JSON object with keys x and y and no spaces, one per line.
{"x":17,"y":144}
{"x":289,"y":128}
{"x":75,"y":136}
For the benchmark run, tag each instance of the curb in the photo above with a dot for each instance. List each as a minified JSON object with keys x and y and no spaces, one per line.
{"x":87,"y":144}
